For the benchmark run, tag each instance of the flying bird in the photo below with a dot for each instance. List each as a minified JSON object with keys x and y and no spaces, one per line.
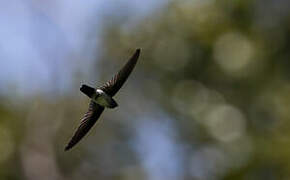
{"x":101,"y":98}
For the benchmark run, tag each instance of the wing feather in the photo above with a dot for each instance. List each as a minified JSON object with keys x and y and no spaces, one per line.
{"x":112,"y":86}
{"x":87,"y":122}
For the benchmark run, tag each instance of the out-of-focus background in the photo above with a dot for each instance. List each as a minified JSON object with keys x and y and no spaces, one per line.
{"x":208,"y":99}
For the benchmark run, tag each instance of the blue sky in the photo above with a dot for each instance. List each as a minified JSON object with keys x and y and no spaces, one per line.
{"x":43,"y":43}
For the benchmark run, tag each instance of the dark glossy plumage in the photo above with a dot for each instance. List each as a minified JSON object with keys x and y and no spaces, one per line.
{"x":87,"y":122}
{"x":111,"y":88}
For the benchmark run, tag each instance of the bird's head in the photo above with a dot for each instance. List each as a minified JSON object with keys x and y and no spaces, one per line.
{"x":87,"y":90}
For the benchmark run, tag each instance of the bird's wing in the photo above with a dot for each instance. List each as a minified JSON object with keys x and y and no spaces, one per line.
{"x":112,"y":87}
{"x":89,"y":119}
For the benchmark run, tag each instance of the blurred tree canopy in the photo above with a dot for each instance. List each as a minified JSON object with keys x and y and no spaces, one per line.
{"x":213,"y":77}
{"x":198,"y":53}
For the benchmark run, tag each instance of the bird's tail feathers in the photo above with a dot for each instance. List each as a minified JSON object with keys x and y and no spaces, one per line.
{"x":87,"y":90}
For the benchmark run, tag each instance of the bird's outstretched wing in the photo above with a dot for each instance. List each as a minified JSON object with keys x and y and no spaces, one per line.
{"x":95,"y":110}
{"x":89,"y":119}
{"x":112,"y":87}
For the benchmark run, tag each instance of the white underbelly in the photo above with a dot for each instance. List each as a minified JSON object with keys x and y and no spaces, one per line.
{"x":101,"y":101}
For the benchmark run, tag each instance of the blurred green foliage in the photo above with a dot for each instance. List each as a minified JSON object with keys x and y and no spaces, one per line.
{"x":219,"y":69}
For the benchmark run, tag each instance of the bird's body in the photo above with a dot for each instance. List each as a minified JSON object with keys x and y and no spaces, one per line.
{"x":99,"y":97}
{"x":102,"y":98}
